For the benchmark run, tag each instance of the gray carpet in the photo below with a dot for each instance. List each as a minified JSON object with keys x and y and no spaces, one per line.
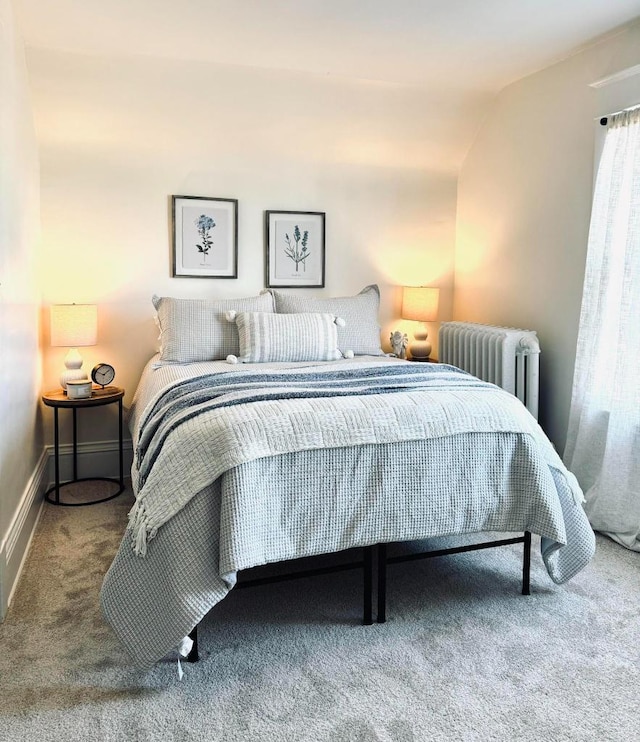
{"x":463,"y":656}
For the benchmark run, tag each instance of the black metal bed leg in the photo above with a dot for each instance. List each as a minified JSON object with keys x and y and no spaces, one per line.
{"x":193,"y":655}
{"x":382,"y":583}
{"x":367,"y":576}
{"x":526,"y":564}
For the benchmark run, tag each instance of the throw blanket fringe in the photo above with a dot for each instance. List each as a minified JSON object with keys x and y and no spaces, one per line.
{"x":139,"y":524}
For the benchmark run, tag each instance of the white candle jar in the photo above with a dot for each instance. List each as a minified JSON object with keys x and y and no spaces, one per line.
{"x":79,"y":389}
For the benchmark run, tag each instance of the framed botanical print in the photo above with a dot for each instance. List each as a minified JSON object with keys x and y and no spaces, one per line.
{"x":205,"y":237}
{"x":295,"y":249}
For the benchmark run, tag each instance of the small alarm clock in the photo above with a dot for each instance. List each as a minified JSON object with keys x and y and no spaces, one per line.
{"x":103,"y":374}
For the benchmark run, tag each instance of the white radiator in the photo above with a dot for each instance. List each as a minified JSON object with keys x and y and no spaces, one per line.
{"x":504,"y":356}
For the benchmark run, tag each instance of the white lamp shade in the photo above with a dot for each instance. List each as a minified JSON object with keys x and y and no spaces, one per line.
{"x":74,"y":325}
{"x":420,"y":303}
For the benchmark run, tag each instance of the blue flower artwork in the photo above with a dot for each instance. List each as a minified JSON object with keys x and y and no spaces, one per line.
{"x":204,"y":225}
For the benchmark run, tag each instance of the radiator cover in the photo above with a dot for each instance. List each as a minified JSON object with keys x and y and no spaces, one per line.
{"x":506,"y":356}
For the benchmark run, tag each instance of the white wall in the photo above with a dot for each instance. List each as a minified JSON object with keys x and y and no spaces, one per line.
{"x":119,"y":136}
{"x":20,"y":362}
{"x":524,"y":203}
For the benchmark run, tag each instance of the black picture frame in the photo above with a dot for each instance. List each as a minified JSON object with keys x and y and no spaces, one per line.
{"x":295,"y":249}
{"x":198,"y":251}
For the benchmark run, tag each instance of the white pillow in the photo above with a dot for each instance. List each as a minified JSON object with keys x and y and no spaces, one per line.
{"x":197,"y":329}
{"x":361,"y":333}
{"x":266,"y":338}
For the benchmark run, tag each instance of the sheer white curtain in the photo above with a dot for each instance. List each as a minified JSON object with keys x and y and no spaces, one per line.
{"x":603,"y":441}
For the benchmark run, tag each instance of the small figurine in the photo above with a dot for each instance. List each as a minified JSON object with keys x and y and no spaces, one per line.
{"x":399,"y":342}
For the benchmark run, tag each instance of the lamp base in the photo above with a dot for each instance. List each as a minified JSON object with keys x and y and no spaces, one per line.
{"x":72,"y":374}
{"x":73,"y":369}
{"x":420,"y":349}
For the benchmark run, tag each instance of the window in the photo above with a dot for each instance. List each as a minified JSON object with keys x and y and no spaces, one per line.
{"x":603,"y":441}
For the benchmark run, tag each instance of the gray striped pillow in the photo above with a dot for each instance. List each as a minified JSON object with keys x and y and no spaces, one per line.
{"x":197,"y":329}
{"x":266,"y":338}
{"x":361,"y":333}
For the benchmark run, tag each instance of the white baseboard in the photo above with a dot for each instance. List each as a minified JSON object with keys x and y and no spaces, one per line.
{"x":94,"y":460}
{"x":15,"y":546}
{"x":98,"y":459}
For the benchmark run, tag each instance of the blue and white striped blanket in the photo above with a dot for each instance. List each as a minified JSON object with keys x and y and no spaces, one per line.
{"x":194,"y":397}
{"x":201,"y":427}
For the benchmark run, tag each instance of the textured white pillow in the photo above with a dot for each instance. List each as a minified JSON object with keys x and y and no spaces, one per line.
{"x":266,"y":338}
{"x":361,"y":332}
{"x":197,"y":329}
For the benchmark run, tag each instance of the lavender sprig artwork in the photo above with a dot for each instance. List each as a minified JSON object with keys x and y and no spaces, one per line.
{"x":297,"y":248}
{"x":205,"y":224}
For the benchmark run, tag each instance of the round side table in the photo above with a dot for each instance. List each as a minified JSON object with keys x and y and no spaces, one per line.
{"x":59,"y":400}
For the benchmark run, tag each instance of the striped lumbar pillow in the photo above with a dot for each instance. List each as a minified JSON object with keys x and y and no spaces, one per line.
{"x":266,"y":338}
{"x":361,"y":332}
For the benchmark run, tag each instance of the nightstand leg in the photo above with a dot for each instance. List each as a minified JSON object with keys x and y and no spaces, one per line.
{"x":56,"y":453}
{"x":75,"y":445}
{"x":120,"y":442}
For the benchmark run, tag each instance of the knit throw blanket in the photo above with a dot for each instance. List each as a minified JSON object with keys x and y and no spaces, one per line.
{"x":202,"y":427}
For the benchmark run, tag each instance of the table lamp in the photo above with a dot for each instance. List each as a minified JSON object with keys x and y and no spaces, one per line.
{"x":73,"y":326}
{"x":420,"y":303}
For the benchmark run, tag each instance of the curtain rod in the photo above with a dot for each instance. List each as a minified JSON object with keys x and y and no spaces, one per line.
{"x":604,"y":120}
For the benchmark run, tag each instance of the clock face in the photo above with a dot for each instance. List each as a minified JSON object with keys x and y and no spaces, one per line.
{"x":103,"y":374}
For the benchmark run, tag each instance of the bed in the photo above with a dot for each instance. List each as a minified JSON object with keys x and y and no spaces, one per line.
{"x":244,"y":464}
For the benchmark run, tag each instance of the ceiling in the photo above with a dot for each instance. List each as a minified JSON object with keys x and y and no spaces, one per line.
{"x":479,"y":45}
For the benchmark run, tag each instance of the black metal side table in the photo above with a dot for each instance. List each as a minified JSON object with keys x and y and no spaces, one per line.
{"x":99,"y":396}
